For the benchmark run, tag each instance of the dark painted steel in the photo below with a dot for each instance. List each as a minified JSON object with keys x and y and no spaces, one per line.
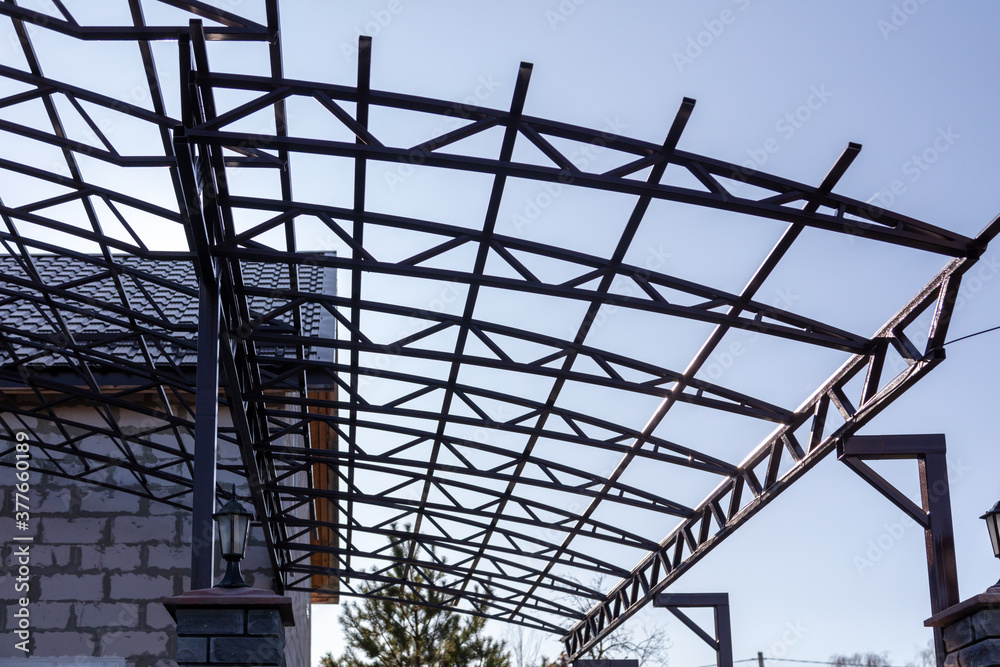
{"x":513,"y":550}
{"x":205,"y":433}
{"x":358,"y":220}
{"x":680,"y":550}
{"x":722,"y":642}
{"x":934,"y":514}
{"x":913,"y":238}
{"x":248,"y":31}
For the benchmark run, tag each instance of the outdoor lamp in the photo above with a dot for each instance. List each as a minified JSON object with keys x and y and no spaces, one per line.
{"x":234,"y":524}
{"x":993,"y":523}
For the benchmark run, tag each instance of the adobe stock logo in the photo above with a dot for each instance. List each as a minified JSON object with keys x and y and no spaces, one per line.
{"x":701,"y":41}
{"x":914,"y":168}
{"x":899,"y":17}
{"x":380,"y":20}
{"x":786,"y":126}
{"x":893,"y":533}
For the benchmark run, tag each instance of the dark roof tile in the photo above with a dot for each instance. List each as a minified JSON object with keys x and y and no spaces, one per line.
{"x":160,"y":297}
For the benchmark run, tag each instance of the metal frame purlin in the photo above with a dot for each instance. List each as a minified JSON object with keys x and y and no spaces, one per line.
{"x":482,"y":252}
{"x":82,"y":366}
{"x":520,"y":515}
{"x":865,"y":221}
{"x":358,"y":220}
{"x":697,"y":535}
{"x":641,"y":206}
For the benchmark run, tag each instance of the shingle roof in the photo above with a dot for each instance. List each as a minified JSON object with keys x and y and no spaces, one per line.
{"x":160,"y":301}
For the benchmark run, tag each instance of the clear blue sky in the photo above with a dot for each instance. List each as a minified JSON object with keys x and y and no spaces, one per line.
{"x":827,"y":568}
{"x":894,"y":76}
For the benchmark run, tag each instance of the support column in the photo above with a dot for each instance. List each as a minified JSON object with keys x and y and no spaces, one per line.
{"x":230,"y":627}
{"x":206,"y":428}
{"x":722,"y":642}
{"x":201,"y":235}
{"x":934,"y":513}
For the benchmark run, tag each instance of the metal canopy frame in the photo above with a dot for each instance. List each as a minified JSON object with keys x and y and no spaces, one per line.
{"x":521,"y":528}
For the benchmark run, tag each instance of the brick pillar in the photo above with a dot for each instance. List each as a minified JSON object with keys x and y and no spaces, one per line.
{"x":971,"y":630}
{"x":226,"y":627}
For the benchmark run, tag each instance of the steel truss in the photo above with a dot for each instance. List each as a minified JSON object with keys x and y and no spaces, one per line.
{"x":522,"y":528}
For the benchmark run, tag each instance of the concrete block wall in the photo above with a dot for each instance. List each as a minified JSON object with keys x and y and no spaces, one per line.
{"x":101,"y":563}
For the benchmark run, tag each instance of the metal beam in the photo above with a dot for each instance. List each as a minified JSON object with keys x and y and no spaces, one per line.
{"x":246,"y":32}
{"x":677,"y":553}
{"x":358,"y":220}
{"x":934,"y":515}
{"x":839,"y":223}
{"x":482,"y":253}
{"x":722,"y":642}
{"x":205,"y":433}
{"x":797,"y":330}
{"x":508,"y":541}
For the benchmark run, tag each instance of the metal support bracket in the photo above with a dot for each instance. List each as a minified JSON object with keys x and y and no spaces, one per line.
{"x":722,"y":642}
{"x":934,"y":514}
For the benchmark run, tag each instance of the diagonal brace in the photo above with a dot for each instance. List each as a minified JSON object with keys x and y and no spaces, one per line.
{"x":722,"y":642}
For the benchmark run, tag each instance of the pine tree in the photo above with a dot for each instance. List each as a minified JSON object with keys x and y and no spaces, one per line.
{"x":419,"y":632}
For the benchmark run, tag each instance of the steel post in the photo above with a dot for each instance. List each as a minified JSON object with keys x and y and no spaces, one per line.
{"x":935,"y":511}
{"x":205,"y":435}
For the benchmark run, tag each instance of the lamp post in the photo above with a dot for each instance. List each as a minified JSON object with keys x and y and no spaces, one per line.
{"x":993,"y":524}
{"x":234,"y":524}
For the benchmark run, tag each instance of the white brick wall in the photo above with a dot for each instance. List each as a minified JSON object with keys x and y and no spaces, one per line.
{"x":101,"y":564}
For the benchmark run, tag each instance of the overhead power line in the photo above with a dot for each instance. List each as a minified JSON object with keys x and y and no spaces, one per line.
{"x":823,"y":662}
{"x":972,"y":335}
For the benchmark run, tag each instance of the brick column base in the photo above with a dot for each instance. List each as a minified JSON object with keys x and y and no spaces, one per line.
{"x":971,"y":631}
{"x":229,"y":627}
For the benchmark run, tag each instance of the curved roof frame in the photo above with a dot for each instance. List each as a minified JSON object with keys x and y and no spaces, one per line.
{"x":498,"y":510}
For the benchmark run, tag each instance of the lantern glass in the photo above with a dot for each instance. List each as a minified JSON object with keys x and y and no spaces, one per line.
{"x":225,"y":523}
{"x":233,"y":520}
{"x":993,"y":525}
{"x":234,"y":525}
{"x":241,"y":528}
